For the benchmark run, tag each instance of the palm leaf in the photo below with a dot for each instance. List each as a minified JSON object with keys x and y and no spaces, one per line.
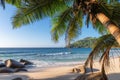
{"x":101,"y":48}
{"x":72,"y":31}
{"x":2,"y":2}
{"x":16,"y":3}
{"x":99,"y":27}
{"x":59,"y":24}
{"x":67,"y":24}
{"x":36,"y":10}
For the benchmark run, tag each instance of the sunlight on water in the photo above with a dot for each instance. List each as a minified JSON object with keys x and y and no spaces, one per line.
{"x":43,"y":57}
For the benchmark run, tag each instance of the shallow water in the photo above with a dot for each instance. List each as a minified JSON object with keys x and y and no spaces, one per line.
{"x":43,"y":57}
{"x":46,"y":57}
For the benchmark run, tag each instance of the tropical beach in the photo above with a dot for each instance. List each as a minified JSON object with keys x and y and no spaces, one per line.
{"x":60,"y":40}
{"x":60,"y":73}
{"x":58,"y":67}
{"x":47,"y":62}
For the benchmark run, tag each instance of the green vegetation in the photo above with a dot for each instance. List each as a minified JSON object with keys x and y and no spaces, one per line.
{"x":68,"y":17}
{"x":91,"y":42}
{"x":101,"y":51}
{"x":84,"y":43}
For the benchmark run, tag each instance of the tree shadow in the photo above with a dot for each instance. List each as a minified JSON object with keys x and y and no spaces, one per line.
{"x":70,"y":76}
{"x":88,"y":70}
{"x":114,"y":76}
{"x":11,"y":76}
{"x":98,"y":76}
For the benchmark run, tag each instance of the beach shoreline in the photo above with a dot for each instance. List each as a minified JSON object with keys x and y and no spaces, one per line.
{"x":55,"y":64}
{"x":61,"y":72}
{"x":51,"y":73}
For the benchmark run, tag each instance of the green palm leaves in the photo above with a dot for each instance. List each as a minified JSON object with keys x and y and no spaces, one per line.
{"x":66,"y":23}
{"x":101,"y":51}
{"x":59,"y":23}
{"x":67,"y":15}
{"x":31,"y":11}
{"x":16,"y":3}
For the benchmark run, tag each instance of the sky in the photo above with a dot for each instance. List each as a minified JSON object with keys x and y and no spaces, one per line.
{"x":36,"y":34}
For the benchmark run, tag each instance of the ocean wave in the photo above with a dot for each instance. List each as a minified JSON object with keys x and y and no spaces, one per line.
{"x":38,"y":63}
{"x":14,"y":52}
{"x":34,"y":53}
{"x":11,"y":55}
{"x":55,"y":54}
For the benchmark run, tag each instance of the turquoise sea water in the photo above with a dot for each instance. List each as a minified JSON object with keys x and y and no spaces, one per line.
{"x":42,"y":57}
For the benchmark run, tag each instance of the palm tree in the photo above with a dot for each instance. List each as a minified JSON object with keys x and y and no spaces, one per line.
{"x":67,"y":15}
{"x":67,"y":18}
{"x":101,"y":53}
{"x":101,"y":48}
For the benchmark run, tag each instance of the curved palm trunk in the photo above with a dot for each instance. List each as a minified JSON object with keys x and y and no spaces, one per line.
{"x":112,"y":28}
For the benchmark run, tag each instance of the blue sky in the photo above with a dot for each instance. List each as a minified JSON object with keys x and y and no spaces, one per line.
{"x":33,"y":35}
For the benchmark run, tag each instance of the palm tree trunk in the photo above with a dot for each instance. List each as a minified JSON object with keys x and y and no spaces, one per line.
{"x":68,"y":44}
{"x":112,"y":28}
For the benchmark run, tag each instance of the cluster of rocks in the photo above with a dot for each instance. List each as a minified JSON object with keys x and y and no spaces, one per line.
{"x":11,"y":66}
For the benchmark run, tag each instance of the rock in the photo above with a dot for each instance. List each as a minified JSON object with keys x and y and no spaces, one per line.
{"x":18,"y":78}
{"x":20,"y":69}
{"x":76,"y":70}
{"x":10,"y":63}
{"x":6,"y":70}
{"x":80,"y":69}
{"x":26,"y":62}
{"x":2,"y":65}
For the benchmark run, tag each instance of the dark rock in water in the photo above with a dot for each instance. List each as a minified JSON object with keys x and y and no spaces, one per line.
{"x":2,"y":65}
{"x":17,"y":78}
{"x":10,"y":63}
{"x":20,"y":69}
{"x":6,"y":70}
{"x":26,"y":62}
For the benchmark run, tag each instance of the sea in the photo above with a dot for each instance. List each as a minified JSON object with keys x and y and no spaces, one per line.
{"x":46,"y":57}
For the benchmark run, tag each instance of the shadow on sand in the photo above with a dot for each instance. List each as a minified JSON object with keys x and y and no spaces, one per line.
{"x":114,"y":76}
{"x":70,"y":76}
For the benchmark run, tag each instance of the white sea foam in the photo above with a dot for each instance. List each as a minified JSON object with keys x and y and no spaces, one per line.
{"x":55,"y":54}
{"x":43,"y":64}
{"x":47,"y":57}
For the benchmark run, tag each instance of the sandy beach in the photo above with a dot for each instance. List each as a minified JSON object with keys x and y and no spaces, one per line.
{"x":61,"y":72}
{"x":55,"y":73}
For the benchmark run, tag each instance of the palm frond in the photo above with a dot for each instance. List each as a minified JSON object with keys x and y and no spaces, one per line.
{"x":116,"y":14}
{"x":112,"y":11}
{"x":101,"y":48}
{"x":88,"y":20}
{"x":99,"y":27}
{"x":108,"y":1}
{"x":72,"y":25}
{"x":2,"y":2}
{"x":59,"y":24}
{"x":37,"y":10}
{"x":16,"y":3}
{"x":73,"y":31}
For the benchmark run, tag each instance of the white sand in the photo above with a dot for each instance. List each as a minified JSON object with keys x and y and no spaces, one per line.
{"x":62,"y":73}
